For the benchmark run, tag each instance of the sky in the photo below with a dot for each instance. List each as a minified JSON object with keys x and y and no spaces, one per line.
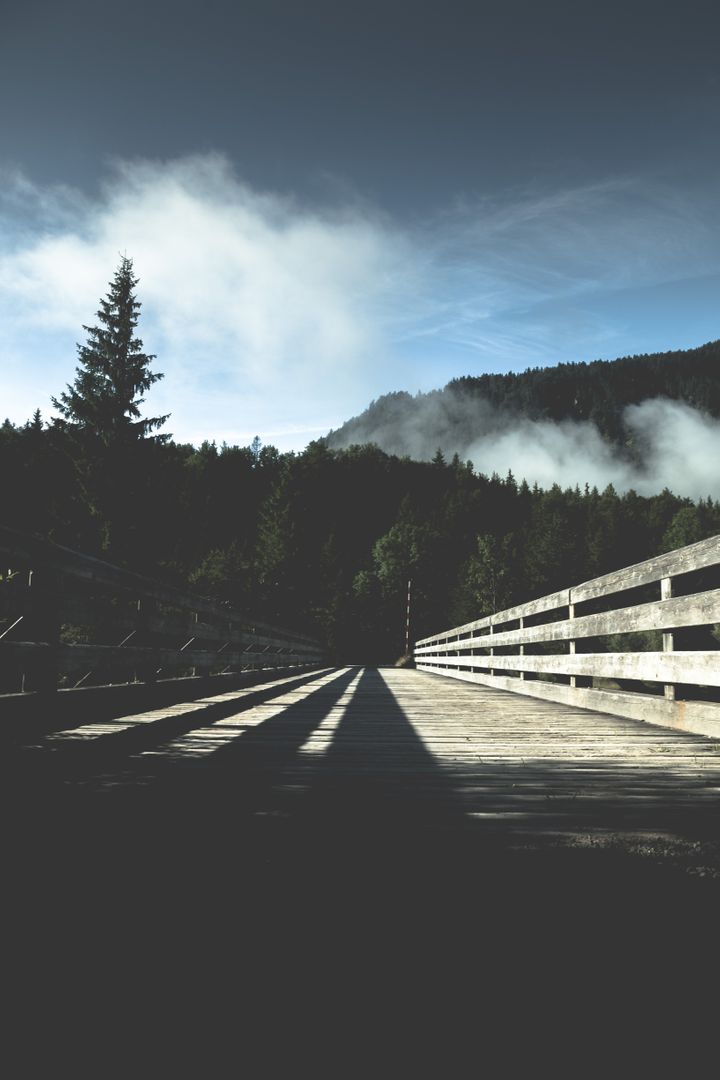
{"x":327,"y":201}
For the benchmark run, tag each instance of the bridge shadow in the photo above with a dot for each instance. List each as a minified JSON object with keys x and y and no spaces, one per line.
{"x":243,"y":768}
{"x":352,"y":879}
{"x":373,"y":800}
{"x":378,"y":772}
{"x":33,"y":765}
{"x":380,"y":821}
{"x":256,"y":816}
{"x":101,"y":813}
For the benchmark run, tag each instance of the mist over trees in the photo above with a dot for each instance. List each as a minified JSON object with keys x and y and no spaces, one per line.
{"x":632,"y":422}
{"x":327,"y":539}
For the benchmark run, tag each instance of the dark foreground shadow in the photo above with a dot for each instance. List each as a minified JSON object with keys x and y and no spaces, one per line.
{"x":352,"y":887}
{"x":378,"y":778}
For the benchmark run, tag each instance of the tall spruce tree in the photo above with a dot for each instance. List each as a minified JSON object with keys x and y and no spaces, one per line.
{"x":101,"y":431}
{"x":114,"y":372}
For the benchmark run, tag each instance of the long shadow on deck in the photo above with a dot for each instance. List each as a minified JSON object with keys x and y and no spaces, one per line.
{"x":102,"y":815}
{"x":374,"y":786}
{"x":377,"y":771}
{"x":37,"y":763}
{"x":354,"y":870}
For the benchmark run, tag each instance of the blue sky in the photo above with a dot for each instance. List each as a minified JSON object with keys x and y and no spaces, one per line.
{"x":325,"y":202}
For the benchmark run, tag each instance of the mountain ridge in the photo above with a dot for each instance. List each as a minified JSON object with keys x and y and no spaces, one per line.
{"x":597,"y":392}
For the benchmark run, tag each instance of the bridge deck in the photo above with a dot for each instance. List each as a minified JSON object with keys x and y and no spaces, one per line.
{"x":397,"y":748}
{"x":367,"y":834}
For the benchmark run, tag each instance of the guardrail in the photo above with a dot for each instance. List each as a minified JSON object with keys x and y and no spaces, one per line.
{"x":68,"y":621}
{"x":666,"y":598}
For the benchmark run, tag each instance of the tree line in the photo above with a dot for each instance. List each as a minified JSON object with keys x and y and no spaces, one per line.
{"x":324,"y":540}
{"x":597,"y":393}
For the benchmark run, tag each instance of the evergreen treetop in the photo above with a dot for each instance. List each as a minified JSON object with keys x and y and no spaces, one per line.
{"x":114,"y":372}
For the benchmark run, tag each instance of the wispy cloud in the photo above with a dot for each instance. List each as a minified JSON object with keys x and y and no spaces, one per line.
{"x":262,"y":313}
{"x":535,"y":278}
{"x":676,"y":446}
{"x":680,"y":449}
{"x":271,"y":316}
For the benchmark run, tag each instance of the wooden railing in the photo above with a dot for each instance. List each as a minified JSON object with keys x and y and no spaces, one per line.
{"x":69,"y":620}
{"x":557,"y":647}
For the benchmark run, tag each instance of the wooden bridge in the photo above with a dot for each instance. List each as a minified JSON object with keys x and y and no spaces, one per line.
{"x":207,"y":705}
{"x":537,"y":746}
{"x":233,"y":802}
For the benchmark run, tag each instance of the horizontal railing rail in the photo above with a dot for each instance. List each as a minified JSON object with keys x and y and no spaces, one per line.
{"x":667,"y":671}
{"x":69,"y":620}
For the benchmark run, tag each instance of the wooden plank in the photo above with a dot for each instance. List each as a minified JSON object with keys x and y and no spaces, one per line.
{"x":700,"y":609}
{"x":699,"y":717}
{"x":75,"y":657}
{"x":693,"y":557}
{"x":534,"y":607}
{"x":396,"y":746}
{"x":201,"y":710}
{"x":668,"y":640}
{"x":32,"y":552}
{"x":700,"y":668}
{"x":84,"y":613}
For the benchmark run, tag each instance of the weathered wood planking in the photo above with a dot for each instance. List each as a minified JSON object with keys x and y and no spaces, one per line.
{"x":535,"y":607}
{"x":108,"y":657}
{"x":693,"y":557}
{"x":401,"y":745}
{"x":702,"y":668}
{"x":681,"y":561}
{"x":77,"y":612}
{"x":702,"y":718}
{"x":202,"y":712}
{"x":468,"y":654}
{"x":150,"y":626}
{"x":20,"y":549}
{"x":696,"y":610}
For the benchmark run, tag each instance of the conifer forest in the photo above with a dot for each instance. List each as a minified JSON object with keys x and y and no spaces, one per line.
{"x":326,"y":540}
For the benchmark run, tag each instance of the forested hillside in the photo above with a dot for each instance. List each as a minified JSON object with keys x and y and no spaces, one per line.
{"x":598,"y":393}
{"x":326,"y":540}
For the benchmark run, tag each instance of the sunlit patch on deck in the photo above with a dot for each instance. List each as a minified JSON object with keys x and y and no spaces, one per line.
{"x":321,"y":739}
{"x":202,"y":741}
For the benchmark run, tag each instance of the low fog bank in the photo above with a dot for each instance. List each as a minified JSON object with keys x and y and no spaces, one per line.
{"x":668,"y":443}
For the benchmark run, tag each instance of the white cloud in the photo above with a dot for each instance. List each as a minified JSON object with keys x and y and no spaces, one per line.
{"x":274,"y":318}
{"x":676,"y":446}
{"x":548,"y":453}
{"x":252,"y":304}
{"x":680,"y":449}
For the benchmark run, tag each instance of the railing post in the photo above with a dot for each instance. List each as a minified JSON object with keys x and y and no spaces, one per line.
{"x":492,"y":650}
{"x":571,"y":643}
{"x":202,"y":672}
{"x":44,"y":628}
{"x":667,"y":639}
{"x":522,"y":647}
{"x":145,"y":609}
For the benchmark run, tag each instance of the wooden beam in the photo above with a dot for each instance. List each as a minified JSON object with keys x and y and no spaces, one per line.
{"x":693,"y":557}
{"x":700,"y":717}
{"x":700,"y":609}
{"x":698,"y":668}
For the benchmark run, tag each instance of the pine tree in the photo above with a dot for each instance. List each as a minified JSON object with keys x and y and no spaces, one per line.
{"x":114,"y":372}
{"x":100,"y":429}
